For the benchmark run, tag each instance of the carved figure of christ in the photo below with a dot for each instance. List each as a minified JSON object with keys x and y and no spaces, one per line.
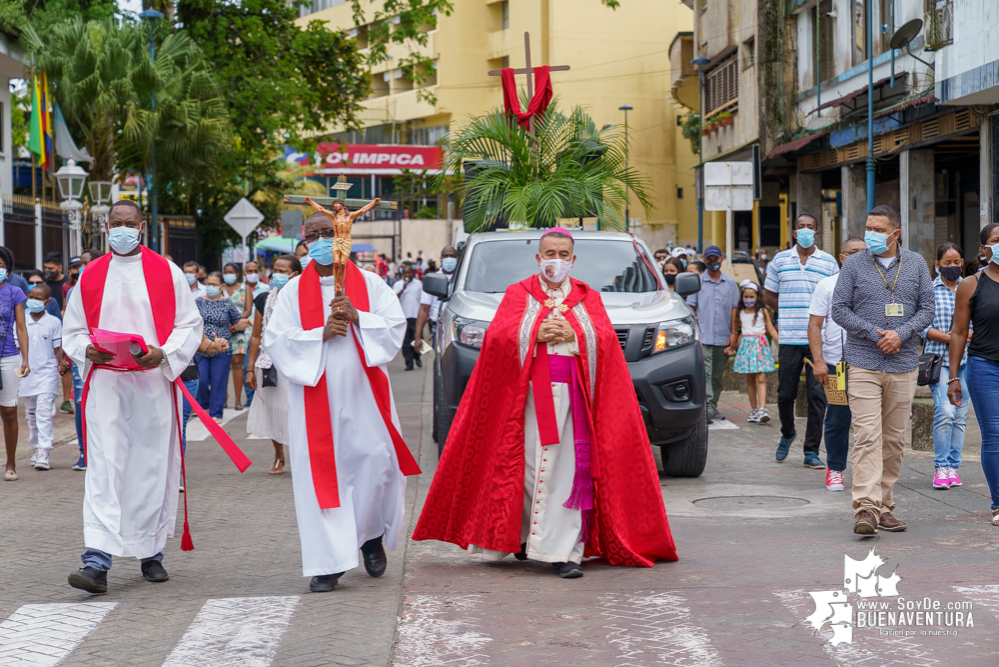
{"x":342,"y":220}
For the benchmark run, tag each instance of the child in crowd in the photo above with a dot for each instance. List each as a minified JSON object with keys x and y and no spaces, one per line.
{"x":41,"y":386}
{"x":754,"y":358}
{"x":696,"y":266}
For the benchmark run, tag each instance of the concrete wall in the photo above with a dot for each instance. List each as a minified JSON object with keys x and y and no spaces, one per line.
{"x":7,"y":154}
{"x":430,"y":236}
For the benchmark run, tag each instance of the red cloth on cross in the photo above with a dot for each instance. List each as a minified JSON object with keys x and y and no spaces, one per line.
{"x":537,"y":105}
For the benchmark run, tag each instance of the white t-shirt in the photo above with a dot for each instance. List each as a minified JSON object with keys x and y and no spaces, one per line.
{"x":44,"y":336}
{"x":434,"y":302}
{"x":832,"y":333}
{"x":409,"y":297}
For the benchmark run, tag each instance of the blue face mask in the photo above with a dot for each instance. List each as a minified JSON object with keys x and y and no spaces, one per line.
{"x":191,"y":278}
{"x":995,"y":253}
{"x":322,"y":251}
{"x":684,"y":262}
{"x":123,"y":239}
{"x":279,"y":280}
{"x":212,"y":290}
{"x":229,"y":278}
{"x":34,"y":305}
{"x":449,"y":263}
{"x":876,"y":242}
{"x":806,"y":238}
{"x":3,"y":275}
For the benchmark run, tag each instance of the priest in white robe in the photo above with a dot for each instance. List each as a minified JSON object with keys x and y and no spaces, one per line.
{"x":362,"y":500}
{"x":131,"y":428}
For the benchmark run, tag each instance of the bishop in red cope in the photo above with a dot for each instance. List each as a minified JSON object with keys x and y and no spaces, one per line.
{"x":348,"y":459}
{"x":548,"y":457}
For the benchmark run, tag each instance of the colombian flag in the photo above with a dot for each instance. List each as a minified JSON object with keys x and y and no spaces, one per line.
{"x":40,"y":139}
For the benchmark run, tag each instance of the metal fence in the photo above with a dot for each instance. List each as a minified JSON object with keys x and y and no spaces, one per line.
{"x":19,"y":230}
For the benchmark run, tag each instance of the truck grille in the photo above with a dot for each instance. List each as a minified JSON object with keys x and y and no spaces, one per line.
{"x":650,"y":336}
{"x":622,"y":337}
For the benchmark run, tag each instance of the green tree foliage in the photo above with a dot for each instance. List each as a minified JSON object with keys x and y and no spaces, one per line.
{"x":285,"y":85}
{"x":43,"y":14}
{"x":565,"y":168}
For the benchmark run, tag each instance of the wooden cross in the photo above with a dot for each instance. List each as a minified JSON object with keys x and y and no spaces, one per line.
{"x":529,"y":71}
{"x":341,"y":187}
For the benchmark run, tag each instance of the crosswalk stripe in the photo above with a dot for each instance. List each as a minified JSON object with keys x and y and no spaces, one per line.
{"x":987,"y":596}
{"x":886,"y":652}
{"x":656,"y":628}
{"x":439,"y":630}
{"x":196,"y":431}
{"x":40,"y":635}
{"x":235,"y":631}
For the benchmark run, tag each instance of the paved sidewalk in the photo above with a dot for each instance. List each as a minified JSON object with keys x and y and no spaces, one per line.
{"x":754,"y":538}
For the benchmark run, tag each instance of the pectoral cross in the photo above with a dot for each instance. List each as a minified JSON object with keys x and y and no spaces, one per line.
{"x":342,"y":219}
{"x":529,"y":71}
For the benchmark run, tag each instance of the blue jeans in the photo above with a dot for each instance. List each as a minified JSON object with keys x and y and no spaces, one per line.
{"x":983,"y":389}
{"x":101,"y":561}
{"x":77,"y":397}
{"x":192,"y":386}
{"x":837,"y":427}
{"x":214,"y":375}
{"x":249,"y":392}
{"x":949,"y":421}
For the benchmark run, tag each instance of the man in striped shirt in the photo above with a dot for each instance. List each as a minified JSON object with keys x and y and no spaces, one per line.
{"x":791,"y":279}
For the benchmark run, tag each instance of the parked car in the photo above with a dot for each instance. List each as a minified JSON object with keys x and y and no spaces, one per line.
{"x":656,"y":329}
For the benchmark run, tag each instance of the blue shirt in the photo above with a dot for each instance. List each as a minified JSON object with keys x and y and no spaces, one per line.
{"x":943,"y":320}
{"x":714,"y":304}
{"x":218,"y":314}
{"x":794,"y":283}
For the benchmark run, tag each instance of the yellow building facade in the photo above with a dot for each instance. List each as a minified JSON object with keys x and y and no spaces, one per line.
{"x":618,"y":57}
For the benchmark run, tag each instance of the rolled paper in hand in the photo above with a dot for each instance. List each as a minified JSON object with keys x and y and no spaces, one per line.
{"x":135,"y":349}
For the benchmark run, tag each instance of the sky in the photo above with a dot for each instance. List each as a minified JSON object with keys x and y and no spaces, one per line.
{"x":134,"y":6}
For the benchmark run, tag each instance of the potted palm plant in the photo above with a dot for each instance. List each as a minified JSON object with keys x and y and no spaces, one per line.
{"x":564,"y":169}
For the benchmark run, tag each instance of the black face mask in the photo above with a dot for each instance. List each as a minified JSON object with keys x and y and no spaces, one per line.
{"x":951,"y":273}
{"x":52,"y":275}
{"x":670,"y":278}
{"x":714,"y":267}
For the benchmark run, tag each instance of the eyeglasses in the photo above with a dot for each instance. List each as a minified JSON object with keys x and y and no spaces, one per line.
{"x":314,"y":236}
{"x":37,"y":282}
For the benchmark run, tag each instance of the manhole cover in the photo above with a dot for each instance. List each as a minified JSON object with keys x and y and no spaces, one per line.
{"x":749,"y":502}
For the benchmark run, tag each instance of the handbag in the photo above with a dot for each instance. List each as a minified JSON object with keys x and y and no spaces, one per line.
{"x":929,"y":369}
{"x":270,"y":377}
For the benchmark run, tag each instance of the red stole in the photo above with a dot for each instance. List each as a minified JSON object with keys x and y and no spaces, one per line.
{"x":536,"y":106}
{"x":162,"y":300}
{"x":318,"y":423}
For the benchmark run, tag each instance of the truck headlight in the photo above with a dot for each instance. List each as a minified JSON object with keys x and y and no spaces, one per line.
{"x":469,"y":332}
{"x":674,"y":333}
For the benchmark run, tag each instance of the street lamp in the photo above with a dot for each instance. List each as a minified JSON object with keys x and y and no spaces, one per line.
{"x":700,"y":62}
{"x":100,"y":192}
{"x":71,"y":178}
{"x":149,"y":15}
{"x":627,"y":200}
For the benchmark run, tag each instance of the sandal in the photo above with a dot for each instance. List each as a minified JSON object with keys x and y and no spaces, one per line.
{"x":239,"y":406}
{"x":995,"y":517}
{"x":278,"y":467}
{"x":10,"y":476}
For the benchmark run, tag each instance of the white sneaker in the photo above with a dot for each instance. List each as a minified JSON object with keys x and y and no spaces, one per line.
{"x":763,"y":417}
{"x":42,"y":460}
{"x":34,"y":457}
{"x":754,"y":417}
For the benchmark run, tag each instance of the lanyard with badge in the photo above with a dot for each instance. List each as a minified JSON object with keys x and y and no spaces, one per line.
{"x":891,"y":309}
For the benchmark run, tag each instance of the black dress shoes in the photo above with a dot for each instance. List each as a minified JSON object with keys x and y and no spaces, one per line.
{"x":324,"y":583}
{"x":90,"y":580}
{"x":567,"y":570}
{"x":153,"y":571}
{"x":375,"y":560}
{"x":523,"y":552}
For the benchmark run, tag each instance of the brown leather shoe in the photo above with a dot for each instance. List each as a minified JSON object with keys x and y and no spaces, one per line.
{"x":890,"y":523}
{"x":866,"y":523}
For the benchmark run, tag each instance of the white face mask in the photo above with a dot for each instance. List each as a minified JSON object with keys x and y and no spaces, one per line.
{"x":555,"y":270}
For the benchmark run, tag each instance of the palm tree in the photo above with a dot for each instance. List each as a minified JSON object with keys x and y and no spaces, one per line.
{"x":565,"y":168}
{"x":103,"y":79}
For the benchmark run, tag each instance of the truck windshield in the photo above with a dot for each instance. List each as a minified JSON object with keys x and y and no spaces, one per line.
{"x":607,"y":266}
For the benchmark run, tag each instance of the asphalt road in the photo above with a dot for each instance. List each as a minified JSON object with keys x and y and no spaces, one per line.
{"x":754,"y":538}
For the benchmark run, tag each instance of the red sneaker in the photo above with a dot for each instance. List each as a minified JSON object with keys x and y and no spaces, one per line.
{"x":834,"y":480}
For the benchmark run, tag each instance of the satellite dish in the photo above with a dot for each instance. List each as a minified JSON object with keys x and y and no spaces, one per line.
{"x":906,"y":34}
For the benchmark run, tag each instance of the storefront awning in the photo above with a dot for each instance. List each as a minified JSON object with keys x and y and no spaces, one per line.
{"x":795,"y":145}
{"x":846,"y":99}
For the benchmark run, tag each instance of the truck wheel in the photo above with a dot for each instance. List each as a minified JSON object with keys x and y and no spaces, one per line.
{"x":688,"y":458}
{"x":443,"y":425}
{"x":437,"y":393}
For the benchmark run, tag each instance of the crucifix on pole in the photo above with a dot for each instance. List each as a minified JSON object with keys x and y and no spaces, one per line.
{"x":529,"y":71}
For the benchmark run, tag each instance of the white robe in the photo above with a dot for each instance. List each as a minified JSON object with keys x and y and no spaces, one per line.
{"x":372,"y":488}
{"x":133,"y":447}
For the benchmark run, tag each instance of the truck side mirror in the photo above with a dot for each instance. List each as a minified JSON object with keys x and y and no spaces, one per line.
{"x":437,"y":284}
{"x":685,"y":285}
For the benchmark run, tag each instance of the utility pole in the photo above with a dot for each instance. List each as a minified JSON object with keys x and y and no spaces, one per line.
{"x":699,"y":62}
{"x":627,"y":199}
{"x":870,"y":109}
{"x":149,"y":15}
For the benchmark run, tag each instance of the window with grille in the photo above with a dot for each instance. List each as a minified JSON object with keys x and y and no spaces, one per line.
{"x":721,"y":87}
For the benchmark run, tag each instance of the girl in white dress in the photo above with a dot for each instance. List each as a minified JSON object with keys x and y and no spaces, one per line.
{"x":754,"y":358}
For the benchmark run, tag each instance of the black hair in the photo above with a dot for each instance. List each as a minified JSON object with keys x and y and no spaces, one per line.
{"x":701,"y":266}
{"x":8,"y":259}
{"x":235,"y":266}
{"x":886,"y":211}
{"x":674,"y":261}
{"x":33,"y":273}
{"x":794,"y":225}
{"x":54,"y":258}
{"x":296,"y":265}
{"x":843,"y":245}
{"x":944,"y":247}
{"x":192,"y":263}
{"x":251,"y":261}
{"x":215,"y":274}
{"x":44,"y":288}
{"x":987,"y":232}
{"x":306,"y":245}
{"x":124,"y":202}
{"x":93,"y":252}
{"x":761,"y":305}
{"x":556,"y":235}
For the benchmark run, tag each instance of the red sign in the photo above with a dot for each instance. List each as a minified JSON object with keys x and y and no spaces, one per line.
{"x":373,"y":158}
